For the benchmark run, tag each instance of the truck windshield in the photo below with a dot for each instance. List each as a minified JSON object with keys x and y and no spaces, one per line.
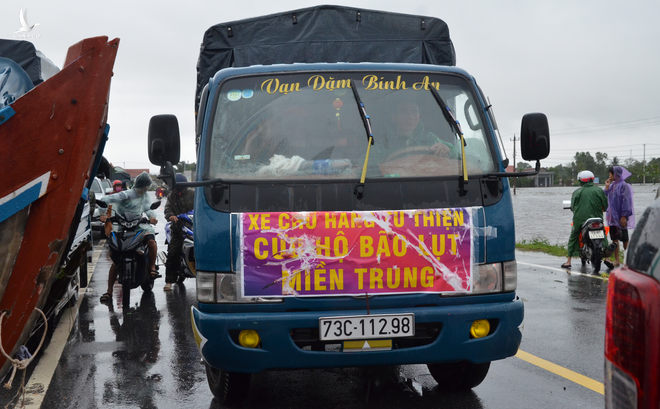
{"x":300,"y":126}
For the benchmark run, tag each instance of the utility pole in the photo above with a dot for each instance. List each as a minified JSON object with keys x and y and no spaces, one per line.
{"x":515,"y":180}
{"x":644,"y":167}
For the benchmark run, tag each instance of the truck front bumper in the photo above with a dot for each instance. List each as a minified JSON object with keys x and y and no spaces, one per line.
{"x":213,"y":335}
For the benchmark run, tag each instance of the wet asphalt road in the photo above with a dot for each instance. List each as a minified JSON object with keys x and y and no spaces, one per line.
{"x":148,"y":358}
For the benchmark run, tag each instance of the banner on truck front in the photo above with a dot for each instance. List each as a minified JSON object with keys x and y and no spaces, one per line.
{"x":356,"y":253}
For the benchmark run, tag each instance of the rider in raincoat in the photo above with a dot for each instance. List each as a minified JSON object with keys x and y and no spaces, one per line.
{"x":136,"y":201}
{"x":587,"y":201}
{"x":621,"y":212}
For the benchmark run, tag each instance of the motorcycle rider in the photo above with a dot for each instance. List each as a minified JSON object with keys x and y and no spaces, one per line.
{"x":134,"y":200}
{"x":588,"y":201}
{"x":117,"y":186}
{"x":180,"y":200}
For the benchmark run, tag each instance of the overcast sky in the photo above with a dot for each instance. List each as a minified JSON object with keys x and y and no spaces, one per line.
{"x":592,"y":67}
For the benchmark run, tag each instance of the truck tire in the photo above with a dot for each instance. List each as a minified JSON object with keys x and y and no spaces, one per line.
{"x":229,"y":388}
{"x":458,"y":376}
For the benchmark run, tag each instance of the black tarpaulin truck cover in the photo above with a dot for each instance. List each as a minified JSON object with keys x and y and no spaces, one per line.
{"x":324,"y":34}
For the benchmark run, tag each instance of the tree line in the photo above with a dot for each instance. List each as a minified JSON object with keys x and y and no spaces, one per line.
{"x":566,"y":174}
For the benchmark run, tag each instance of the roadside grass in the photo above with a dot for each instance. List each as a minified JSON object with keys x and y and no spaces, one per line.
{"x":541,"y":244}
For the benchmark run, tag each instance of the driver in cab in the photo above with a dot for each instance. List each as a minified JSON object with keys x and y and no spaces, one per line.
{"x":407,"y":136}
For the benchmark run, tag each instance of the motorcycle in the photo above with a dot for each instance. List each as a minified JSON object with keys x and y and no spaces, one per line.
{"x":130,"y":253}
{"x":592,"y":242}
{"x":187,"y":258}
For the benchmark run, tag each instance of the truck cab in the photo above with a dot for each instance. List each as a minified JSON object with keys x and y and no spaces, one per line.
{"x":348,"y":213}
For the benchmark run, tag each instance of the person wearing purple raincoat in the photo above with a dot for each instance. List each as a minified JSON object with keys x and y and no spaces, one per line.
{"x":620,"y":209}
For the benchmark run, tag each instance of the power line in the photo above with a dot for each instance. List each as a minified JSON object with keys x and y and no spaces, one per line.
{"x":600,"y":148}
{"x":603,"y":128}
{"x":635,"y":123}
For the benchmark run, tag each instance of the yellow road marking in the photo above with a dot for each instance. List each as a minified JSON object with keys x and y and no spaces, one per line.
{"x":563,"y":372}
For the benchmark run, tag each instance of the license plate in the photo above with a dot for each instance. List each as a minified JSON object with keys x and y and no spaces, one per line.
{"x":366,"y":327}
{"x":596,"y":234}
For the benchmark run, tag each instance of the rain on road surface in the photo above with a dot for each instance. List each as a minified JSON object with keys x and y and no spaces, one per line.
{"x":148,"y":358}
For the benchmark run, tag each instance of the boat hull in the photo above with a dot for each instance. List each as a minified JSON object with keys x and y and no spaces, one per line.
{"x":51,"y":141}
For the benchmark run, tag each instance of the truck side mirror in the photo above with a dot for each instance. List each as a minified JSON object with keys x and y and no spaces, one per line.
{"x":164,"y":144}
{"x":534,"y":137}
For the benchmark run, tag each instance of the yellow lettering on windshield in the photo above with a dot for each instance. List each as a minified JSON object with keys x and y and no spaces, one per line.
{"x":371,"y":82}
{"x":273,"y":85}
{"x":318,"y":82}
{"x":425,"y":84}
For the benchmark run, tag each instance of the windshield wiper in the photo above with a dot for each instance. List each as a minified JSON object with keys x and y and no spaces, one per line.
{"x":359,"y":188}
{"x":453,"y":123}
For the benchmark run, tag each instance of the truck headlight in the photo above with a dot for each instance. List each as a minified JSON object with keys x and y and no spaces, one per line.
{"x":216,"y":288}
{"x":487,"y":278}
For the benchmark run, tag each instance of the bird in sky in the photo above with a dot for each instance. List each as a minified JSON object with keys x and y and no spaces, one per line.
{"x":25,"y":27}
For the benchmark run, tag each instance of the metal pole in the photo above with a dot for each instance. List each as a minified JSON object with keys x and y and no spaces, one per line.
{"x":644,"y":166}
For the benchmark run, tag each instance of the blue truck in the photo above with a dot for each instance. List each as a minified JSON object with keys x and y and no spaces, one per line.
{"x":352,"y":206}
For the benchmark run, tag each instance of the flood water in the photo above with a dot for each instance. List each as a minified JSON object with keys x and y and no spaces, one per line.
{"x":539,"y":212}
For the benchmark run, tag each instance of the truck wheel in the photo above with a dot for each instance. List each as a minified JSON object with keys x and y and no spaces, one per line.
{"x":458,"y":376}
{"x":229,"y":388}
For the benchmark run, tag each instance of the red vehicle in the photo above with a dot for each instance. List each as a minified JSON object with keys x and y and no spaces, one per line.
{"x":632,"y":326}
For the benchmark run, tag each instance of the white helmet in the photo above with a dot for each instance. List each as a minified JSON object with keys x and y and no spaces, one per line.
{"x":586,"y":176}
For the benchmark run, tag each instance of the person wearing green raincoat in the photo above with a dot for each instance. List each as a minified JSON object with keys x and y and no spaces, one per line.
{"x":588,"y":201}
